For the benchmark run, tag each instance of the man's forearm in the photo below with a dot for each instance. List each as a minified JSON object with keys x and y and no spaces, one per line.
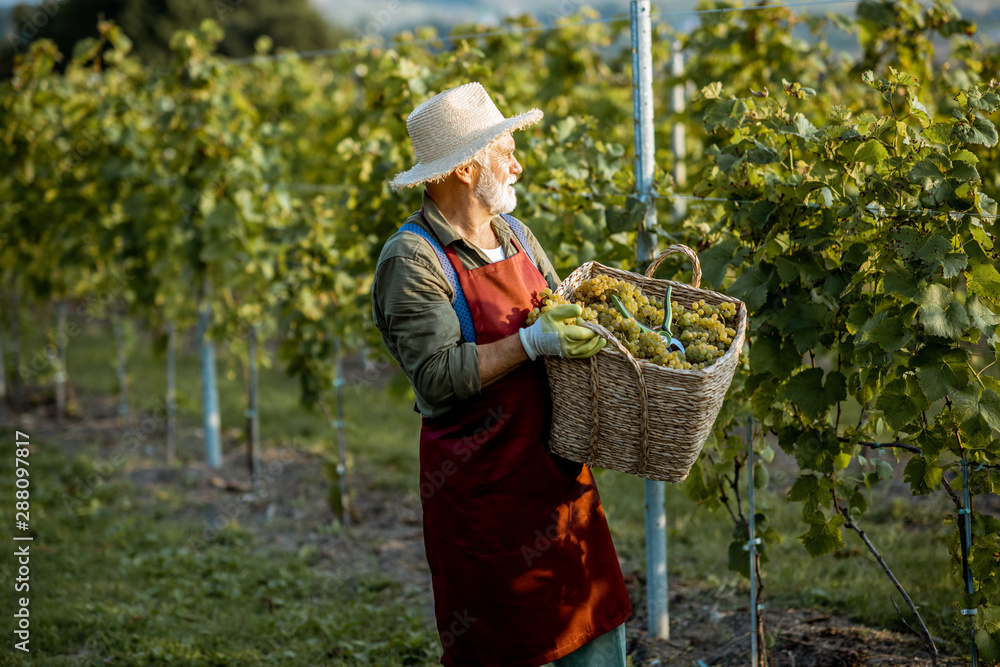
{"x":499,"y":358}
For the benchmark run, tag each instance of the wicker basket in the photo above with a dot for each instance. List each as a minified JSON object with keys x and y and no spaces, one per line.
{"x":628,"y":414}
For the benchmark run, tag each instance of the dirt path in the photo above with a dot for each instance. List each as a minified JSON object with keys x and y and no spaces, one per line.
{"x":291,"y":513}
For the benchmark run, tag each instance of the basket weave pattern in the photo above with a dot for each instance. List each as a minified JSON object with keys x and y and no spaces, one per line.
{"x":631,"y":415}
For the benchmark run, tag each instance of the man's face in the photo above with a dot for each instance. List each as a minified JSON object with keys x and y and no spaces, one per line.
{"x":494,"y":186}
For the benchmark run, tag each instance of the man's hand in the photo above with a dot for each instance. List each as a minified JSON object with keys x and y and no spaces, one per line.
{"x":549,"y":336}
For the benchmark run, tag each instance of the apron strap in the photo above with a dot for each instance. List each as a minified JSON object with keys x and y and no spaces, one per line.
{"x":458,"y":300}
{"x":518,"y":228}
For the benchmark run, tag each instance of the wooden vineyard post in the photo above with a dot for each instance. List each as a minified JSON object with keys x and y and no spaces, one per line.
{"x":642,"y":107}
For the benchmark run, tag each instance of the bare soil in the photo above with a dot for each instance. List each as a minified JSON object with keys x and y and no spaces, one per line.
{"x":291,"y":512}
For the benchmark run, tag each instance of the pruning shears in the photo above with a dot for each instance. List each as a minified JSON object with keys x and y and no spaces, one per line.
{"x":664,"y":330}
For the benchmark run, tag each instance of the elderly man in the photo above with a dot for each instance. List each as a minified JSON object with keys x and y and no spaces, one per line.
{"x":522,"y":565}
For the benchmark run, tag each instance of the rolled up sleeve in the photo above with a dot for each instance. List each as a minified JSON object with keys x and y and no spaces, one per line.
{"x":411,"y":301}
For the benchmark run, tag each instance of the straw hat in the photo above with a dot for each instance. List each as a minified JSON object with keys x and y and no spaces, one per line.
{"x":450,"y":128}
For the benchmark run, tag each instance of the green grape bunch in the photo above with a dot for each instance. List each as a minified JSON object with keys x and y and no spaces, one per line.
{"x":706,"y":330}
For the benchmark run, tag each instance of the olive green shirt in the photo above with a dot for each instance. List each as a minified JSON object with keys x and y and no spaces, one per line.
{"x":411,"y":302}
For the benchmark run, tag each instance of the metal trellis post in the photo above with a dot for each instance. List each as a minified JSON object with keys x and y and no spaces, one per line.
{"x":966,"y":513}
{"x":752,"y":546}
{"x":345,"y":497}
{"x":642,"y":107}
{"x":60,"y":361}
{"x":253,"y":414}
{"x":678,"y":140}
{"x":3,"y":358}
{"x":171,"y":393}
{"x":124,"y":417}
{"x":209,"y":388}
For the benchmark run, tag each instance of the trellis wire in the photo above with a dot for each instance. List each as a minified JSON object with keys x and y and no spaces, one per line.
{"x":726,"y":10}
{"x":327,"y":187}
{"x":880,"y":210}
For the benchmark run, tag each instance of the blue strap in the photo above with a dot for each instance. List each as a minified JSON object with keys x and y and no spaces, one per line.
{"x":518,"y":228}
{"x":458,"y":301}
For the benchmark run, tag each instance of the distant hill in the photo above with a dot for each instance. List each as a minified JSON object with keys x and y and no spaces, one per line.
{"x":362,"y":17}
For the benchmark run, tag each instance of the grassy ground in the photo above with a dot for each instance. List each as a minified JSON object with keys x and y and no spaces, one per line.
{"x":116,"y":574}
{"x":114,"y":582}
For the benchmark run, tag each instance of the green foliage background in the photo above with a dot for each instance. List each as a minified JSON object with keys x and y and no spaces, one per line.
{"x":857,"y":222}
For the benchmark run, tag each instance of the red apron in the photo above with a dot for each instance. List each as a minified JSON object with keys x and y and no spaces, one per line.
{"x":522,"y":564}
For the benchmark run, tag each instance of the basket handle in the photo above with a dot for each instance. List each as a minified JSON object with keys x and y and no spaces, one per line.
{"x":643,"y":397}
{"x":692,"y":255}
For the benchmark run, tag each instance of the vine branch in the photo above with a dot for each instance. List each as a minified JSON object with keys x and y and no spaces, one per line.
{"x":924,"y":634}
{"x":734,"y":483}
{"x":886,"y":445}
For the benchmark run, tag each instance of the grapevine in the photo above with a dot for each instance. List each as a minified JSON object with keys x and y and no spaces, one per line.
{"x":707,"y":330}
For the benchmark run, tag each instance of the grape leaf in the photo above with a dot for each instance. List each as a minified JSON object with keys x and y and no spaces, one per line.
{"x":978,"y":412}
{"x":924,"y":169}
{"x":695,"y":486}
{"x":806,"y":389}
{"x":803,"y":488}
{"x":953,"y":264}
{"x":965,"y":156}
{"x":900,"y":404}
{"x":988,"y":645}
{"x":935,"y":247}
{"x":963,"y":171}
{"x":922,"y":475}
{"x":983,"y":318}
{"x":950,"y":323}
{"x":939,"y":133}
{"x":869,"y":152}
{"x":858,"y":316}
{"x":942,"y":370}
{"x":770,"y":354}
{"x":753,"y":285}
{"x":979,"y":131}
{"x":985,"y":281}
{"x":890,"y":334}
{"x":727,"y":113}
{"x":715,"y":260}
{"x":823,"y":538}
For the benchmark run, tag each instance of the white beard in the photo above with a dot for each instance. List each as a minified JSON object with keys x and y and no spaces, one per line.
{"x":498,"y":197}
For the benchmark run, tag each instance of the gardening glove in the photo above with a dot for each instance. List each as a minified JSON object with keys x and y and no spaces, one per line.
{"x":549,"y":336}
